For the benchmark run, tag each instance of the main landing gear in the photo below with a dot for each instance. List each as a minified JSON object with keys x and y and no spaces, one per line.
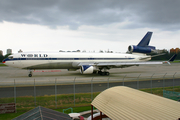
{"x":30,"y":73}
{"x":103,"y":73}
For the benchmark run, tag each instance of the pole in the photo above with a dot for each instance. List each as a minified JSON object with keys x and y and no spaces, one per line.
{"x":151,"y":82}
{"x":91,"y":112}
{"x":123,"y":79}
{"x":138,"y":82}
{"x":34,"y":94}
{"x":164,"y":81}
{"x":92,"y":89}
{"x":56,"y":93}
{"x":74,"y":91}
{"x":14,"y":91}
{"x":108,"y":82}
{"x":173,"y":81}
{"x":15,"y":94}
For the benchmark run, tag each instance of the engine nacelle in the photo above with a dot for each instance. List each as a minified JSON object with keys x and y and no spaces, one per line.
{"x":140,"y":49}
{"x":86,"y":69}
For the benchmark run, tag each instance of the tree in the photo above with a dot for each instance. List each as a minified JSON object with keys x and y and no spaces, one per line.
{"x":1,"y":58}
{"x":6,"y":55}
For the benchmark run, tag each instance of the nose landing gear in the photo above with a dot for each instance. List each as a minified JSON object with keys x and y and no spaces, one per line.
{"x":30,"y":73}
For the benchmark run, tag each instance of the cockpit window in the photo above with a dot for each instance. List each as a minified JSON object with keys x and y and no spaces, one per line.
{"x":10,"y":57}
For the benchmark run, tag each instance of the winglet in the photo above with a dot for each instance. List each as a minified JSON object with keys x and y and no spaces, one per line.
{"x":171,"y":59}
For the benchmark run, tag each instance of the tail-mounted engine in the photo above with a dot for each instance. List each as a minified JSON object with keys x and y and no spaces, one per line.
{"x":141,"y":49}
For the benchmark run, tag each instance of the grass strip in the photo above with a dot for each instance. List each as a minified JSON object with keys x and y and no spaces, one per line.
{"x":2,"y":65}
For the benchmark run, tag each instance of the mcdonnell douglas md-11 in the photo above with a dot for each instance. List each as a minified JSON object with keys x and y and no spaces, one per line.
{"x":88,"y":63}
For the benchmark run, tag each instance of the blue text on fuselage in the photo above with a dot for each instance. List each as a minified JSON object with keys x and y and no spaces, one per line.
{"x":34,"y":55}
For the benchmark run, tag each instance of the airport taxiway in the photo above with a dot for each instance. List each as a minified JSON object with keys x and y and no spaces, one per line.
{"x":66,"y":81}
{"x":8,"y":75}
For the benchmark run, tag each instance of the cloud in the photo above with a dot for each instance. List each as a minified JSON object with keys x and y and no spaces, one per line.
{"x":161,"y":14}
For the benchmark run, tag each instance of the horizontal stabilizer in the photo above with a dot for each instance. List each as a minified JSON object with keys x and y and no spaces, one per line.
{"x":151,"y":56}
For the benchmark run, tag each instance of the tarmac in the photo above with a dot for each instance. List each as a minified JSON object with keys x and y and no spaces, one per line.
{"x":10,"y":75}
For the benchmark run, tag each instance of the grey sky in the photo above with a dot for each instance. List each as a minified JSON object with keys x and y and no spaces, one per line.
{"x":33,"y":25}
{"x":162,"y":14}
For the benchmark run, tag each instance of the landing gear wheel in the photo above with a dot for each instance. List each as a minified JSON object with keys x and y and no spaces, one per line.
{"x":99,"y":72}
{"x":103,"y":73}
{"x":30,"y":75}
{"x":107,"y":73}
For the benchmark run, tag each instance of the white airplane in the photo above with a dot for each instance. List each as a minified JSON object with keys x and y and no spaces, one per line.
{"x":88,"y":63}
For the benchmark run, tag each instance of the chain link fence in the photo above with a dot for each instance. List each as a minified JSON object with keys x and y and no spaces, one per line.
{"x":78,"y":91}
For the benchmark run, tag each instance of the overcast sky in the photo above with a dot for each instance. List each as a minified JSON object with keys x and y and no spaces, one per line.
{"x":91,"y":25}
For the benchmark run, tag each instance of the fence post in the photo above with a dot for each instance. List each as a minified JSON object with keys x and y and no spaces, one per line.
{"x":164,"y":81}
{"x":123,"y":79}
{"x":14,"y":91}
{"x":34,"y":94}
{"x":138,"y":81}
{"x":151,"y":82}
{"x":173,"y":81}
{"x":92,"y":89}
{"x":15,"y":94}
{"x":55,"y":93}
{"x":108,"y":83}
{"x":74,"y":92}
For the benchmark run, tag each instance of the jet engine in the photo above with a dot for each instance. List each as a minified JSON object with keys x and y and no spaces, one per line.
{"x":86,"y":69}
{"x":141,"y":49}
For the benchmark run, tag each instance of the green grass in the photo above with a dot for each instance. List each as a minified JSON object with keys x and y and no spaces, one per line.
{"x":82,"y":102}
{"x":2,"y":65}
{"x":25,"y":103}
{"x":159,"y":91}
{"x":10,"y":116}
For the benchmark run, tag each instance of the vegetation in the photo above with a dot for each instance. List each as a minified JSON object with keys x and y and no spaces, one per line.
{"x":166,"y":56}
{"x":2,"y":65}
{"x":3,"y":57}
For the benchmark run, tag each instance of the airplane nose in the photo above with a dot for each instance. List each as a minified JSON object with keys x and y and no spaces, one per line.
{"x":4,"y":61}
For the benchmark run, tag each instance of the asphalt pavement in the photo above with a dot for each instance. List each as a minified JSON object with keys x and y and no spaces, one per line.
{"x":15,"y":81}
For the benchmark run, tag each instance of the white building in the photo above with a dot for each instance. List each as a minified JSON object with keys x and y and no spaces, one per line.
{"x":9,"y":51}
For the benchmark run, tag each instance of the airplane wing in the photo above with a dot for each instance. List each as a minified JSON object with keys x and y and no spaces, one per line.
{"x":90,"y":67}
{"x":118,"y":64}
{"x":123,"y":64}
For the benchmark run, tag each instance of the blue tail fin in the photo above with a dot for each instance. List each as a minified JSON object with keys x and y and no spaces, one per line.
{"x":146,"y":39}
